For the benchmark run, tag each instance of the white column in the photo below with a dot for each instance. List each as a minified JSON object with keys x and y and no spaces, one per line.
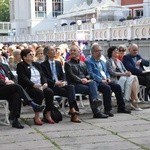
{"x":146,"y":8}
{"x":130,"y":32}
{"x":109,"y":32}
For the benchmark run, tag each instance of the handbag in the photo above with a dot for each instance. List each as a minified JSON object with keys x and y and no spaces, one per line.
{"x":56,"y":115}
{"x":118,"y":70}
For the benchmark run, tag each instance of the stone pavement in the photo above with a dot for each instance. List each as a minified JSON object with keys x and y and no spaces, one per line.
{"x":121,"y":132}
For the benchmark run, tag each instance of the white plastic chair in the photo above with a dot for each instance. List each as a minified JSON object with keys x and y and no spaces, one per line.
{"x":4,"y":104}
{"x":142,"y":93}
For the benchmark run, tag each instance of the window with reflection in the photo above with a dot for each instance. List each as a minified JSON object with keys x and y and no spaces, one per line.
{"x":57,"y":7}
{"x":40,"y":8}
{"x":139,"y":13}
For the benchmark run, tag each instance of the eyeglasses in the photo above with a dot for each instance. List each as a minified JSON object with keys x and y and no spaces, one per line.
{"x":122,"y":50}
{"x":98,"y":50}
{"x":135,"y":50}
{"x":31,"y":54}
{"x":39,"y":53}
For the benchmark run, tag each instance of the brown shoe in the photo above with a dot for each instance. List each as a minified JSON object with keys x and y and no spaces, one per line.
{"x":73,"y":112}
{"x":75,"y":119}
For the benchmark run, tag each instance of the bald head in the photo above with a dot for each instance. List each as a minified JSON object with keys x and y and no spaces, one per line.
{"x":133,"y":49}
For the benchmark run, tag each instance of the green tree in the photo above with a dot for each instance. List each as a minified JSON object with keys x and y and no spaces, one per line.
{"x":4,"y":10}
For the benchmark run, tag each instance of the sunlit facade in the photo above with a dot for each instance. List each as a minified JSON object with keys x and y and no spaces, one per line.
{"x":31,"y":16}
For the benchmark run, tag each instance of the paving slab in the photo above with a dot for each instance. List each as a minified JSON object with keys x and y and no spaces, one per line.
{"x":121,"y":132}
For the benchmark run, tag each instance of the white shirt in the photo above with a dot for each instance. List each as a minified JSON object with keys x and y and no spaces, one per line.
{"x":35,"y":75}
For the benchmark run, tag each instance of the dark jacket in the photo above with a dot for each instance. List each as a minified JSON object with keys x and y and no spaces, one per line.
{"x":24,"y":74}
{"x":75,"y":71}
{"x":130,"y":64}
{"x":48,"y":72}
{"x":8,"y":73}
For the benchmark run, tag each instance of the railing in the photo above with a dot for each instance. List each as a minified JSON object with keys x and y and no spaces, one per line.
{"x":128,"y":30}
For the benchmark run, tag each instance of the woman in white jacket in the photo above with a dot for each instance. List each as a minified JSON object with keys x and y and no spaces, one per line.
{"x":128,"y":82}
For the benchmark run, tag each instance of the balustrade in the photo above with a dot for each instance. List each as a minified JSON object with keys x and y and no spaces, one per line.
{"x":127,"y":30}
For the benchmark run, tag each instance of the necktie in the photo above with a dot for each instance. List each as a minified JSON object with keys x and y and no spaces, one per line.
{"x":54,"y":72}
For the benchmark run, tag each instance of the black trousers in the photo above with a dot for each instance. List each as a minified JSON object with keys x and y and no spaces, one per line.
{"x":38,"y":95}
{"x":69,"y":92}
{"x":144,"y":79}
{"x":107,"y":91}
{"x":13,"y":94}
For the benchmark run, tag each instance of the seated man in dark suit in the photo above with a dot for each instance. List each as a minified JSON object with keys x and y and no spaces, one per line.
{"x":134,"y":63}
{"x":55,"y":79}
{"x":13,"y":92}
{"x":97,"y":69}
{"x":77,"y":74}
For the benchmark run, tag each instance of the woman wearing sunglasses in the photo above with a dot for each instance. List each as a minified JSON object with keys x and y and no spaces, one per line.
{"x":121,"y":52}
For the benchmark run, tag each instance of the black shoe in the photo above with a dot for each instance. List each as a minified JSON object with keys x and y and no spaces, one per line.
{"x":100,"y":115}
{"x":36,"y":107}
{"x":109,"y":113}
{"x":124,"y":111}
{"x":96,"y":103}
{"x":16,"y":124}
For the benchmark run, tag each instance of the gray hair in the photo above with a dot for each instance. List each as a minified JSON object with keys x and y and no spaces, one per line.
{"x":93,"y":46}
{"x":122,"y":46}
{"x":16,"y":52}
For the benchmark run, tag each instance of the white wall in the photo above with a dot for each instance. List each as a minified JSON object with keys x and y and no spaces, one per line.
{"x":146,"y":8}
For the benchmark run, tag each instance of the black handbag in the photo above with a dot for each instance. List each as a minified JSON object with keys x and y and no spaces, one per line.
{"x":118,"y":70}
{"x":56,"y":115}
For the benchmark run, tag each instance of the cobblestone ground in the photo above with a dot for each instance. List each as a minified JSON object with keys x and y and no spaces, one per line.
{"x":121,"y":132}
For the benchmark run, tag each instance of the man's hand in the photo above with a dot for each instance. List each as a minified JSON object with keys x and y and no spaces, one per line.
{"x":60,"y":83}
{"x":139,"y":62}
{"x":85,"y":80}
{"x":106,"y":81}
{"x":44,"y":86}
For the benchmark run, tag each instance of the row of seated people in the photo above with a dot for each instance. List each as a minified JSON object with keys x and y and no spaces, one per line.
{"x":80,"y":77}
{"x":32,"y":79}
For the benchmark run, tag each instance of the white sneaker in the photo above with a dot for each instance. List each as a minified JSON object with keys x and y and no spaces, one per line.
{"x":136,"y":108}
{"x":138,"y":101}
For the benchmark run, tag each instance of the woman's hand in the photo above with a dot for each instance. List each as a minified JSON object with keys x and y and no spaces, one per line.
{"x":45,"y":85}
{"x":7,"y":81}
{"x":38,"y":86}
{"x":127,"y":73}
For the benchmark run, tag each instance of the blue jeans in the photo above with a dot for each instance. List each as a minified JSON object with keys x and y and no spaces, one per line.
{"x":88,"y":89}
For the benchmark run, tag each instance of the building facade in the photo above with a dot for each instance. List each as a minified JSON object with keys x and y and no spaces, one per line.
{"x":32,"y":16}
{"x":29,"y":16}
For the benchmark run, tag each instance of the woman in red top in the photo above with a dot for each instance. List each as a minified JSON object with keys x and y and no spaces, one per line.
{"x":121,"y":51}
